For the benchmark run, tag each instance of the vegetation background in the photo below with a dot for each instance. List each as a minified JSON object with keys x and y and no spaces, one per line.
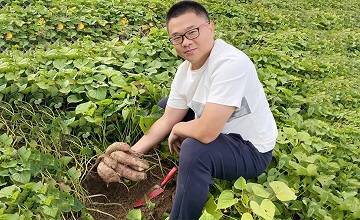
{"x":76,"y":76}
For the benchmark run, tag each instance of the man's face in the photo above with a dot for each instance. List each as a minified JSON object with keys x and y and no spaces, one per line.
{"x":197,"y":50}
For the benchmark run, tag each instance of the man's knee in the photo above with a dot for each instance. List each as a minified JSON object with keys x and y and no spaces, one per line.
{"x":191,"y":148}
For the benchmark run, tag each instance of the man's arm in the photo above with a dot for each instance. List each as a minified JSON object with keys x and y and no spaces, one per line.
{"x":204,"y":129}
{"x":160,"y":129}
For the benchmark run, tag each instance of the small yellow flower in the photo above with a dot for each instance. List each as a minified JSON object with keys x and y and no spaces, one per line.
{"x":41,"y":21}
{"x":8,"y":35}
{"x":259,"y":3}
{"x":72,"y":9}
{"x":80,"y":26}
{"x":124,"y":21}
{"x":60,"y":26}
{"x":152,"y":29}
{"x":151,"y":24}
{"x":144,"y":26}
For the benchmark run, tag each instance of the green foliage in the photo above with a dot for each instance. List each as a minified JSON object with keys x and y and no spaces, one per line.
{"x":263,"y":201}
{"x":76,"y":76}
{"x":23,"y":190}
{"x":135,"y":214}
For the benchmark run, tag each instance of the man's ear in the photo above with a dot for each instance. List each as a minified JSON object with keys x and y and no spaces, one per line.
{"x":212,"y":28}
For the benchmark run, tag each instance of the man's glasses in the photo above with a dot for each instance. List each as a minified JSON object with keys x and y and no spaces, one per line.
{"x":190,"y":34}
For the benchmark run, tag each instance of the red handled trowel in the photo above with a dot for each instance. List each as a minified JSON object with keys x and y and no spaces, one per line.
{"x":157,"y":189}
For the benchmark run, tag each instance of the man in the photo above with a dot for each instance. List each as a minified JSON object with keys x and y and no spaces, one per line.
{"x":233,"y":132}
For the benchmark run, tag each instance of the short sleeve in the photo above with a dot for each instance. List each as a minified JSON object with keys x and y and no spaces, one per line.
{"x":230,"y":80}
{"x":177,"y":98}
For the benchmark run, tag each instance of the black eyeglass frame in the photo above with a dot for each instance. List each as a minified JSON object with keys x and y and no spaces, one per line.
{"x":171,"y":39}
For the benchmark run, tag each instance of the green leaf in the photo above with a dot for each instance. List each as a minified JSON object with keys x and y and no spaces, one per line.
{"x":259,"y":190}
{"x":98,"y":94}
{"x":8,"y":191}
{"x":240,"y":183}
{"x":50,"y":211}
{"x":304,"y":136}
{"x":93,"y":120}
{"x":122,"y":95}
{"x":64,"y":205}
{"x":149,"y":204}
{"x":69,"y":121}
{"x":282,"y":191}
{"x":74,"y":174}
{"x":312,"y":170}
{"x":23,"y":177}
{"x":134,"y":214}
{"x":118,"y":81}
{"x":206,"y":216}
{"x":83,"y":108}
{"x":265,"y":210}
{"x":104,"y":102}
{"x":289,"y":131}
{"x":15,"y":216}
{"x":349,"y":194}
{"x":129,"y":65}
{"x":77,"y":206}
{"x":65,"y":160}
{"x":211,"y":208}
{"x":99,"y":77}
{"x":5,"y":141}
{"x":145,"y":123}
{"x":125,"y":113}
{"x":24,"y":153}
{"x":37,"y":187}
{"x":246,"y":216}
{"x":226,"y":199}
{"x":297,"y":205}
{"x":74,"y":98}
{"x":83,"y":63}
{"x":59,"y":64}
{"x":244,"y":199}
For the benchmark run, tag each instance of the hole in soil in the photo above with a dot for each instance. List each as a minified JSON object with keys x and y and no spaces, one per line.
{"x":117,"y":200}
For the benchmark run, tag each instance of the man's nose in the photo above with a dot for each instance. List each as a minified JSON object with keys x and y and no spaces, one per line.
{"x":186,"y":42}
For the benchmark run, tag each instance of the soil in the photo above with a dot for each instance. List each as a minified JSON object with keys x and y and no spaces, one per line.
{"x":114,"y":201}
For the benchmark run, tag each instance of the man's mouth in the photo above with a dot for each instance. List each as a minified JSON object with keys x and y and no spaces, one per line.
{"x":190,"y":51}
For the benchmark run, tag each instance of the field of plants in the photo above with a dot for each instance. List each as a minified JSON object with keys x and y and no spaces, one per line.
{"x":76,"y":76}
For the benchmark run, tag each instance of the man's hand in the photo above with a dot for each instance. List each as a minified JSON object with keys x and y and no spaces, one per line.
{"x":174,"y":142}
{"x":119,"y":161}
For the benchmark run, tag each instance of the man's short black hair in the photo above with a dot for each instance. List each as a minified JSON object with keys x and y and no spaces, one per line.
{"x":184,"y":7}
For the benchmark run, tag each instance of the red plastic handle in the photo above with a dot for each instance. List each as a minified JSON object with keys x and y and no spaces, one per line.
{"x":169,"y":175}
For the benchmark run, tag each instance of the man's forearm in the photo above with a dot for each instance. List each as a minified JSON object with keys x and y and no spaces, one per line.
{"x":194,"y":129}
{"x":158,"y":131}
{"x":208,"y":127}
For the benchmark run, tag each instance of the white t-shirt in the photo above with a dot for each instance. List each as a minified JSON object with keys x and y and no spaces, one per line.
{"x":228,"y":77}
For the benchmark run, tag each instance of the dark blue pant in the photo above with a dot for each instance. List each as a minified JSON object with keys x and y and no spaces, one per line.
{"x":228,"y":157}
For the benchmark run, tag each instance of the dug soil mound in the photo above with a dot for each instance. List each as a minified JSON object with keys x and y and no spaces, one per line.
{"x":116,"y":200}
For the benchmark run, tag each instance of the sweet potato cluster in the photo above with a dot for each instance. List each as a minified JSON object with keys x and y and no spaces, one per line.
{"x":119,"y":160}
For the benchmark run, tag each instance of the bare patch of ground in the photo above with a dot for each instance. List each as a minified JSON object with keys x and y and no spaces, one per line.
{"x":117,"y":200}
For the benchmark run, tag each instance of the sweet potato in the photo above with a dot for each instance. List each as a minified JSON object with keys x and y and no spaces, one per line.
{"x":112,"y":163}
{"x":127,"y":159}
{"x":129,"y":173}
{"x":107,"y":174}
{"x":118,"y":146}
{"x":99,"y":159}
